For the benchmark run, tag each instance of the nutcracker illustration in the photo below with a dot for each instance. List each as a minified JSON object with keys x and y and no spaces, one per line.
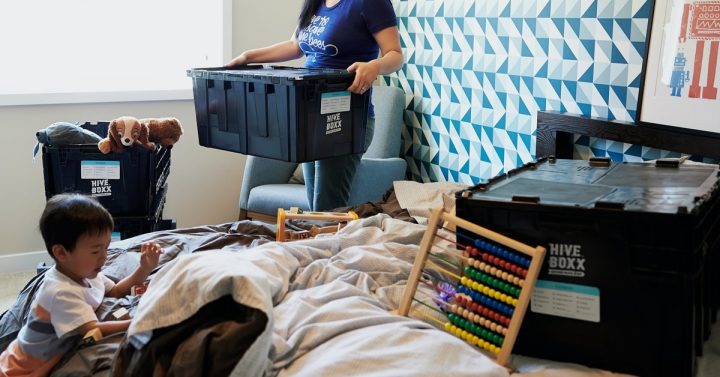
{"x":700,"y":23}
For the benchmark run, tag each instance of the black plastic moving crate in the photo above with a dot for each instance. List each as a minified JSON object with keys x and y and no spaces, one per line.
{"x":627,"y":284}
{"x":130,"y":226}
{"x":283,"y":113}
{"x":125,"y":183}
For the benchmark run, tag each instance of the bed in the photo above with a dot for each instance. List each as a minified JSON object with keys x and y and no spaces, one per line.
{"x":228,"y":300}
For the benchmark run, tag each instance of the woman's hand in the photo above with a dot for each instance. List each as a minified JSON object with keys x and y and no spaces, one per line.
{"x":365,"y":75}
{"x":237,"y":61}
{"x":149,"y":256}
{"x":391,"y":60}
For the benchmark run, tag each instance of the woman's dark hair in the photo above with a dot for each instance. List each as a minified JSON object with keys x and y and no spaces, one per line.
{"x":307,"y":12}
{"x":68,"y":216}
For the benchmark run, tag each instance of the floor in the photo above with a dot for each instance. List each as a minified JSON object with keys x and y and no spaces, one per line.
{"x":10,"y":285}
{"x":708,"y":366}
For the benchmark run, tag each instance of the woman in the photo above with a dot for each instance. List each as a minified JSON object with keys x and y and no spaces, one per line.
{"x":340,"y":34}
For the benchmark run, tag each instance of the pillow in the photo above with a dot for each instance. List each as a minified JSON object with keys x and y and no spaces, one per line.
{"x":64,"y":133}
{"x":297,"y":176}
{"x":420,"y":198}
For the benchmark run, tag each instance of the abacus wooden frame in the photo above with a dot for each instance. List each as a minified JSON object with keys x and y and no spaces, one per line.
{"x":536,"y":255}
{"x":280,"y":234}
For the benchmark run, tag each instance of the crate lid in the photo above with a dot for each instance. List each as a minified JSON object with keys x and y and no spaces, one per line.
{"x":643,"y":187}
{"x":271,"y":74}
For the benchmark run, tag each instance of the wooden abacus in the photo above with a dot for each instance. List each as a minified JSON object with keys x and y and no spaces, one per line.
{"x":484,"y":300}
{"x":295,"y":213}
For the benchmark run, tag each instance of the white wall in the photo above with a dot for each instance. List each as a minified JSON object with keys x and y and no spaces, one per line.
{"x":204,"y":183}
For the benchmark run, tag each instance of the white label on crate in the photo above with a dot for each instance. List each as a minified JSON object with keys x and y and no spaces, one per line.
{"x":99,"y":169}
{"x":115,"y":236}
{"x":566,"y":300}
{"x":334,"y":102}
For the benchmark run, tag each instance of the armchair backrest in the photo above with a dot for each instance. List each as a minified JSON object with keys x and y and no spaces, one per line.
{"x":389,"y":102}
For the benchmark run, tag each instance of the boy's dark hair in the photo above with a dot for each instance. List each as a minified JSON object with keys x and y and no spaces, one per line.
{"x":68,"y":216}
{"x":307,"y":12}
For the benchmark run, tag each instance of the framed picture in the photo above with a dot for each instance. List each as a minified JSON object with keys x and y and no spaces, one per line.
{"x":682,"y":74}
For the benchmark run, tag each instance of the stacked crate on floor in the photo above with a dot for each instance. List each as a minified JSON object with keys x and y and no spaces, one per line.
{"x":131,"y":185}
{"x":629,"y":281}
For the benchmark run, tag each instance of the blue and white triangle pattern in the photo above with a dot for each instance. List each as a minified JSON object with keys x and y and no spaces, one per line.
{"x":586,"y":147}
{"x":477,"y":72}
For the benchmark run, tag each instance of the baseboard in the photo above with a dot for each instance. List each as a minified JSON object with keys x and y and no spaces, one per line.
{"x":271,"y":219}
{"x":23,"y":261}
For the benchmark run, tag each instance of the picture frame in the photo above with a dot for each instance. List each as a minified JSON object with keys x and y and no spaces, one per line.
{"x":682,"y":67}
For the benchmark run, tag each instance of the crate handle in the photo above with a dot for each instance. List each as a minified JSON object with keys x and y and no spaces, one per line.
{"x":600,"y":162}
{"x":609,"y":205}
{"x":217,"y":100}
{"x":334,"y":87}
{"x":257,"y":109}
{"x":526,"y":199}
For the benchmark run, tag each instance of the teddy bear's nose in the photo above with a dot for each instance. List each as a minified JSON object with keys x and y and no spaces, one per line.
{"x":127,"y":140}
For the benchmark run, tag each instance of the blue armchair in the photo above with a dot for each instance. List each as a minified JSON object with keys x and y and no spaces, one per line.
{"x":266,"y":183}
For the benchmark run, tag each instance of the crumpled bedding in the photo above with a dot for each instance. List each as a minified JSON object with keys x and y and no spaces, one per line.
{"x":326,"y":305}
{"x":329,"y":303}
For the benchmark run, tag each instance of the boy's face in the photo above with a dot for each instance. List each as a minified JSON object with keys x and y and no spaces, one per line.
{"x":87,"y":258}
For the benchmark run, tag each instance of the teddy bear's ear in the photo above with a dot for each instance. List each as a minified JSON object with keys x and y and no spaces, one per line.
{"x":115,"y":144}
{"x":112,"y":127}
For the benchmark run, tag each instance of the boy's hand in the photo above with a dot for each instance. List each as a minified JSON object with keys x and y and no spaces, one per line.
{"x":149,"y":256}
{"x":149,"y":259}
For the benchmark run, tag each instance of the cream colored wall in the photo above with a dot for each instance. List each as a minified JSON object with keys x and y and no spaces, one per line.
{"x":204,"y":183}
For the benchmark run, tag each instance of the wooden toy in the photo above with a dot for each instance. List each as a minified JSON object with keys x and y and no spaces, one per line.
{"x":282,"y":234}
{"x":93,"y":336}
{"x":481,"y":283}
{"x":138,"y":289}
{"x":121,"y":314}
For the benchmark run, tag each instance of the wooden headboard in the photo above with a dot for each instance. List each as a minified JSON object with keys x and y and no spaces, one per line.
{"x":555,"y":135}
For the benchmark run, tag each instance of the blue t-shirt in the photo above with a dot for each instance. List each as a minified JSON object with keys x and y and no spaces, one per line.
{"x":341,"y":35}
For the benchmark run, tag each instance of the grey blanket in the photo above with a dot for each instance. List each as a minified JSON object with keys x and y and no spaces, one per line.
{"x":329,"y":302}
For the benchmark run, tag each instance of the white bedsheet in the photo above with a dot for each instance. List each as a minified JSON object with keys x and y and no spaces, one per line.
{"x":419,"y":199}
{"x":328,"y":302}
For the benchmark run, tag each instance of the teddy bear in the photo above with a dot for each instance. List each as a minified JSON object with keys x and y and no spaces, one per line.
{"x":164,"y":131}
{"x":126,"y":131}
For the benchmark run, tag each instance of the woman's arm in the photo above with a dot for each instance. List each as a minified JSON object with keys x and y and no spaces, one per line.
{"x":390,"y":60}
{"x":279,"y":52}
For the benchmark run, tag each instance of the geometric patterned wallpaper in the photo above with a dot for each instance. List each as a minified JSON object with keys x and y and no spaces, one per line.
{"x":477,"y":72}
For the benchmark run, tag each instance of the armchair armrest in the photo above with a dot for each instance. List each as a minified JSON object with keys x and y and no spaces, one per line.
{"x":262,"y":171}
{"x":374,"y":176}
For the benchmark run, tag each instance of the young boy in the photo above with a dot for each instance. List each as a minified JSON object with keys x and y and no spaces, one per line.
{"x":76,"y":230}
